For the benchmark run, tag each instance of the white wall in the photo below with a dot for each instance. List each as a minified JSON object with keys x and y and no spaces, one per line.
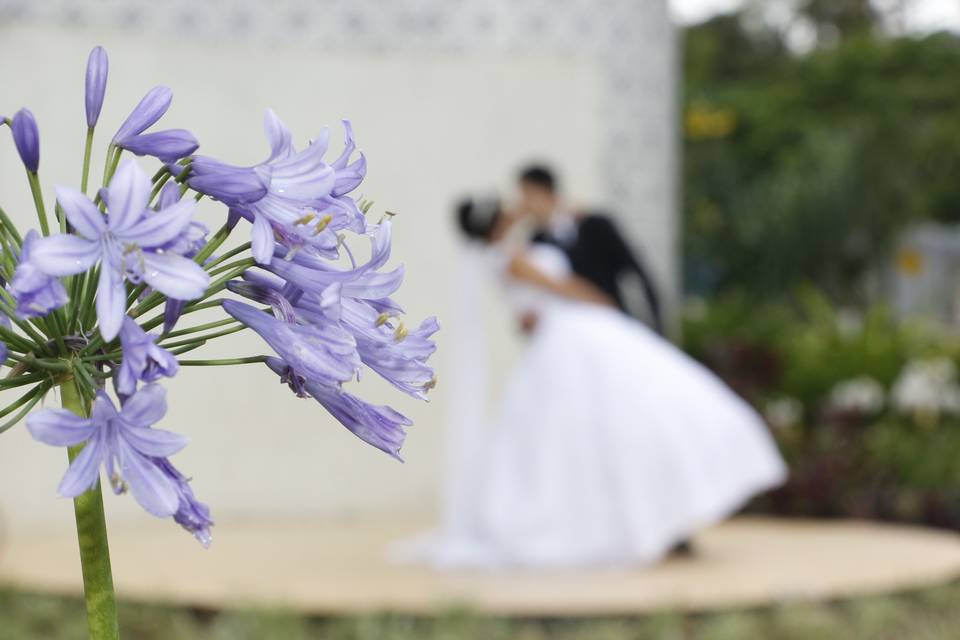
{"x":432,"y":127}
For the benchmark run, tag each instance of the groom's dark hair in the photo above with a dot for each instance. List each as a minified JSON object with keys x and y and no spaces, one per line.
{"x":540,"y":176}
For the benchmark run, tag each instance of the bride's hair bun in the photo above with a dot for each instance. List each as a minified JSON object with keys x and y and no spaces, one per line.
{"x":478,"y":216}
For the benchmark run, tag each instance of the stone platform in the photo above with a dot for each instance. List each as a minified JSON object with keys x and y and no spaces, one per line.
{"x":328,"y":567}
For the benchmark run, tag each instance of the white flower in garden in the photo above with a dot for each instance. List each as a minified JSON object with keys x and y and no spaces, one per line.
{"x":927,"y":387}
{"x":862,"y":394}
{"x":783,"y":413}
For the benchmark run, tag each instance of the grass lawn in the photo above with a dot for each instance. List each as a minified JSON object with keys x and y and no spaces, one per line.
{"x":922,"y":615}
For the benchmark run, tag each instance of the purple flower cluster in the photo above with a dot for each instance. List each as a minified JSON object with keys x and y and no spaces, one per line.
{"x":293,"y":198}
{"x":133,"y":454}
{"x":82,"y":297}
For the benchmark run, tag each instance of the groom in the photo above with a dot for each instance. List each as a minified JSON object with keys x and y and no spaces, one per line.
{"x":597,"y":251}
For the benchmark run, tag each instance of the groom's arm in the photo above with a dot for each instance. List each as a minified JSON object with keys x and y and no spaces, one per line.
{"x":609,"y":239}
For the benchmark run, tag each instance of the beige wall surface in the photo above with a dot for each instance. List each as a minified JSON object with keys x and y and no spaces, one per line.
{"x":432,"y":127}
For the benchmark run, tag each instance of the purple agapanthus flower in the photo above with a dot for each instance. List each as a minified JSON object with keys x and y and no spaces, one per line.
{"x":146,"y":114}
{"x":129,"y":243}
{"x":3,"y":352}
{"x":193,"y":237}
{"x":98,"y":66}
{"x":123,"y":442}
{"x":326,"y":354}
{"x":293,"y":197}
{"x":169,"y":145}
{"x":358,"y":300}
{"x":143,"y":360}
{"x":191,"y":514}
{"x":26,"y":137}
{"x":378,"y":426}
{"x":187,"y":244}
{"x":35,"y":292}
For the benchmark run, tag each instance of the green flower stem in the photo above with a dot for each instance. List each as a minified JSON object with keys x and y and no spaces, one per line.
{"x":229,"y":254}
{"x":203,"y":338}
{"x":29,"y":401}
{"x":22,"y":400}
{"x":220,"y":284}
{"x":38,"y":201}
{"x":51,"y":364}
{"x":87,"y":150}
{"x":110,"y":164}
{"x":216,"y":286}
{"x":182,"y":350}
{"x":200,"y":327}
{"x":19,"y":381}
{"x":10,"y":227}
{"x":213,"y":243}
{"x":14,"y":340}
{"x":156,"y":321}
{"x":245,"y":263}
{"x":159,"y":180}
{"x":92,"y":536}
{"x":223,"y":363}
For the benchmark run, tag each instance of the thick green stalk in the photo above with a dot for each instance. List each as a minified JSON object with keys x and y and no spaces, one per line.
{"x":92,"y":536}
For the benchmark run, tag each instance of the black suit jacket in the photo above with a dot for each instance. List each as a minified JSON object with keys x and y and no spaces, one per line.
{"x":601,"y":255}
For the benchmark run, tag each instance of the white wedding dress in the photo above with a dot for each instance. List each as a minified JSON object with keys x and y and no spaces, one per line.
{"x":609,"y":447}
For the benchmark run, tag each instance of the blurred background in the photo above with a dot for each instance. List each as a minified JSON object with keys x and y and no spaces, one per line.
{"x":788,"y":168}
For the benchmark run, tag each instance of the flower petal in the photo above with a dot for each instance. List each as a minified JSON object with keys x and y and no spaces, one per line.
{"x":150,"y":109}
{"x":82,"y":214}
{"x":26,"y":137}
{"x":84,"y":471}
{"x":64,"y":254}
{"x":154,"y":442}
{"x":129,"y":195}
{"x":111,"y":302}
{"x":59,"y":427}
{"x":175,"y":276}
{"x":146,"y":407}
{"x":261,"y":240}
{"x":158,"y":228}
{"x":96,"y":84}
{"x":152,"y":489}
{"x":278,"y":135}
{"x":168,"y":146}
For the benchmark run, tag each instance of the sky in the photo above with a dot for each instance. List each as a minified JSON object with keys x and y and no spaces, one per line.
{"x":921,"y":15}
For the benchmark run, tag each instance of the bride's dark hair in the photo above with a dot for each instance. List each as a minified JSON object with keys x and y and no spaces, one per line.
{"x":477,"y":217}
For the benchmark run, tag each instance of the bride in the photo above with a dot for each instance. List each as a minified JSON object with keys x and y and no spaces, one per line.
{"x":609,"y":446}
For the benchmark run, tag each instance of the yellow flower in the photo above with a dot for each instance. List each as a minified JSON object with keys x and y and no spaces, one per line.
{"x":703,"y":122}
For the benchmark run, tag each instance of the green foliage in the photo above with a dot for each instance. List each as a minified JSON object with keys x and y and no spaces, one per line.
{"x":885,"y":462}
{"x":925,"y":615}
{"x":803,"y":168}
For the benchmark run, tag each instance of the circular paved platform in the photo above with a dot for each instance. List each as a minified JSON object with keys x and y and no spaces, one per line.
{"x":325,"y":567}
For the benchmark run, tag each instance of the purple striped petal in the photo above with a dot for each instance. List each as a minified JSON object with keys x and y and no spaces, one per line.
{"x":156,"y":229}
{"x":149,"y":486}
{"x":175,"y":276}
{"x":82,"y":214}
{"x":154,"y":442}
{"x":59,"y":427}
{"x":64,"y":254}
{"x":111,"y":302}
{"x":84,"y":471}
{"x":128,"y":196}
